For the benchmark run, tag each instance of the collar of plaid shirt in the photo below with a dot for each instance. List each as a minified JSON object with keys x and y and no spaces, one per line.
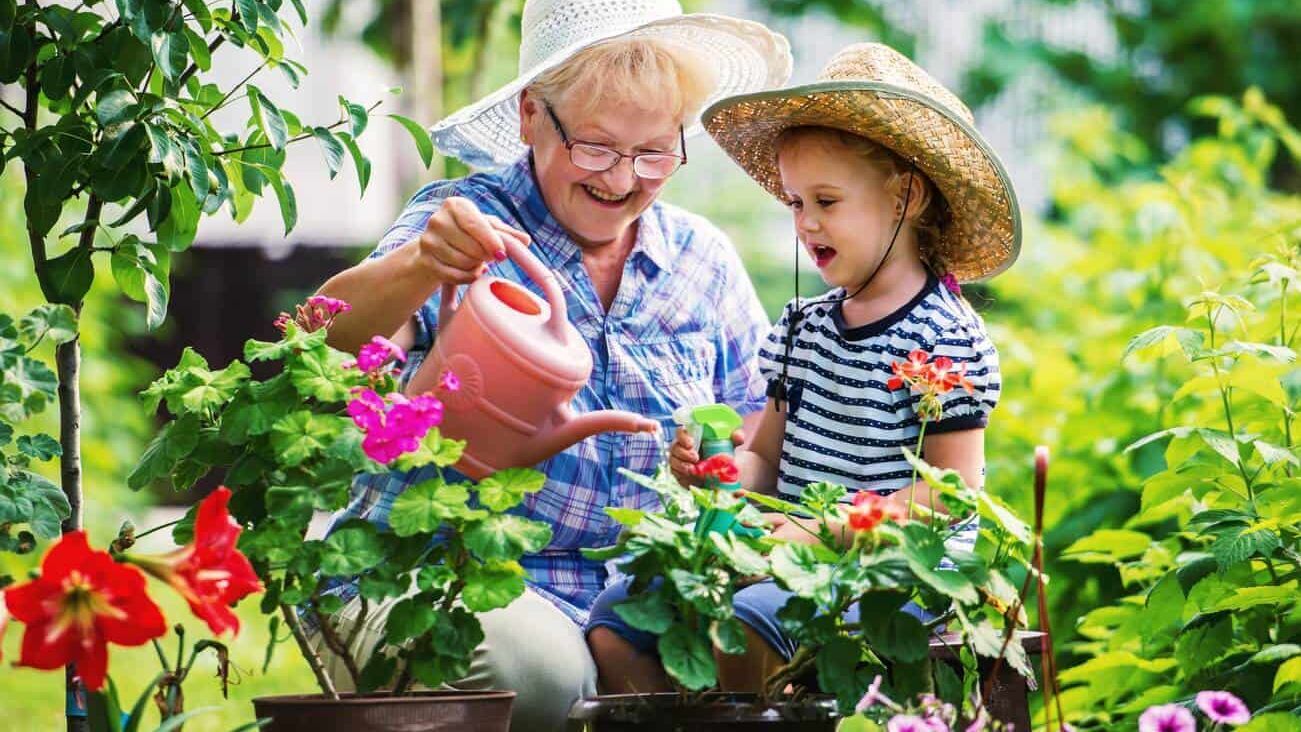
{"x":666,"y":341}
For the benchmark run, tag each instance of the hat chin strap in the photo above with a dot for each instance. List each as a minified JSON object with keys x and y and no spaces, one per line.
{"x":777,"y":390}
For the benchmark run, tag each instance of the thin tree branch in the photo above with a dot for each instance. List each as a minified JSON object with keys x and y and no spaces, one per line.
{"x":291,"y":140}
{"x":233,"y":89}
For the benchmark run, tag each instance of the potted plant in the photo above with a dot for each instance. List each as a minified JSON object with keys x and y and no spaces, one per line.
{"x":290,"y":445}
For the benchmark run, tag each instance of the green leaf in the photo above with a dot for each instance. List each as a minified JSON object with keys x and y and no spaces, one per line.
{"x":352,"y":549}
{"x":53,"y":323}
{"x":170,"y":52}
{"x":206,"y":391}
{"x":1168,"y":337}
{"x":165,"y":151}
{"x":39,"y":447}
{"x":1108,"y":546}
{"x":1247,"y":597}
{"x":1288,"y":674}
{"x":1272,"y":722}
{"x":409,"y":619}
{"x":288,"y":201}
{"x":1273,"y":454}
{"x":898,"y":636}
{"x":506,"y":537}
{"x":301,"y":435}
{"x":318,"y":374}
{"x":70,"y":276}
{"x":506,"y":488}
{"x":253,"y":412}
{"x":435,"y":449}
{"x":177,"y":440}
{"x":797,"y":567}
{"x":743,"y":558}
{"x":198,"y":49}
{"x":268,"y":116}
{"x":837,"y":664}
{"x":34,"y":381}
{"x":424,"y":144}
{"x":377,"y":673}
{"x":331,"y":148}
{"x":248,"y":14}
{"x":728,"y":635}
{"x":33,"y":499}
{"x":176,"y":232}
{"x":114,"y":107}
{"x":687,"y":658}
{"x":648,"y":610}
{"x":423,"y":508}
{"x":1202,"y":646}
{"x":357,"y":116}
{"x":988,"y":641}
{"x":359,"y":161}
{"x":493,"y":585}
{"x":707,"y":590}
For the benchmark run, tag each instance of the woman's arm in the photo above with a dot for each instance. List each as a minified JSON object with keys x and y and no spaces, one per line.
{"x":384,"y":292}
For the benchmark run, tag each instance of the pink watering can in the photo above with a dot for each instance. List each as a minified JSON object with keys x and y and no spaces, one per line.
{"x":519,"y":362}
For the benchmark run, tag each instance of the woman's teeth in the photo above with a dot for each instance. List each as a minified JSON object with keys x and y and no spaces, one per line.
{"x":603,"y":196}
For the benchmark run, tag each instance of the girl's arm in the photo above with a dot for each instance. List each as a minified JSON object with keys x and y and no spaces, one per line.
{"x":758,"y":458}
{"x":963,"y":451}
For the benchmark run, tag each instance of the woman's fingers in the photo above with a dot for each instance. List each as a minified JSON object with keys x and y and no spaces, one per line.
{"x":473,"y":233}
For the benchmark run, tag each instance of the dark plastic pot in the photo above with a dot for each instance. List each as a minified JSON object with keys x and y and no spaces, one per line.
{"x":425,"y":711}
{"x":673,"y":712}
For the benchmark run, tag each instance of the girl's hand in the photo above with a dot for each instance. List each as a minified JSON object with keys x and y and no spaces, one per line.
{"x":683,"y":458}
{"x":804,"y":530}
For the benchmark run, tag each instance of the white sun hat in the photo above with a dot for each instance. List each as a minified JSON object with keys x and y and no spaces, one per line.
{"x":745,"y":55}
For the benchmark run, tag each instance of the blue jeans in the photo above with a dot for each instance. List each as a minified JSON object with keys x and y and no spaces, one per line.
{"x":756,"y":606}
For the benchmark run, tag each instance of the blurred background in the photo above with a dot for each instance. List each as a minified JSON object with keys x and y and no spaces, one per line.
{"x":1147,"y":140}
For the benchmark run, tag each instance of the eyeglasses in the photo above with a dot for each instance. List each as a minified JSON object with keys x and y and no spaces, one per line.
{"x":599,"y":158}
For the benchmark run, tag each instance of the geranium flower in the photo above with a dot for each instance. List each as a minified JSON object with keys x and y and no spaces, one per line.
{"x":870,"y":509}
{"x":906,"y":372}
{"x":209,"y":572}
{"x":721,"y":467}
{"x":318,"y":312}
{"x":1223,"y":707}
{"x":395,"y":426}
{"x":1166,"y":718}
{"x":944,"y":376}
{"x":374,"y":355}
{"x":82,"y":601}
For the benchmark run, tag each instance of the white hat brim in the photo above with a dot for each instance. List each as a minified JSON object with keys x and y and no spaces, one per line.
{"x":747,"y":57}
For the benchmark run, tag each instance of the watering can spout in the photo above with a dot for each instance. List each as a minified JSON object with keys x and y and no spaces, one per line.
{"x":570,"y":428}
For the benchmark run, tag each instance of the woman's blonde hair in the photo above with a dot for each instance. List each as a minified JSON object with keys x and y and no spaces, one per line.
{"x":652,"y":72}
{"x":934,"y":213}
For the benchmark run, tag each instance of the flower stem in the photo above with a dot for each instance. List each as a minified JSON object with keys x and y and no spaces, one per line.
{"x":309,"y":653}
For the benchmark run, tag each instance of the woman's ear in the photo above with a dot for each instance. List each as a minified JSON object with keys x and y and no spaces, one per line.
{"x":529,"y":108}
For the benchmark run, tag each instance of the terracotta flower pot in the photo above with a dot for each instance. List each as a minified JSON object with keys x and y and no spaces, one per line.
{"x":426,"y":711}
{"x":674,"y":713}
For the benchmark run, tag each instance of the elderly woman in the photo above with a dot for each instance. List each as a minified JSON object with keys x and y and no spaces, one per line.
{"x":583,"y":142}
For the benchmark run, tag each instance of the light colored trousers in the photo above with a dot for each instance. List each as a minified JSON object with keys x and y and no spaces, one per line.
{"x":529,"y":647}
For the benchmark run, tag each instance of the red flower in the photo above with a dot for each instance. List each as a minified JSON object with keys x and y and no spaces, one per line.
{"x":870,"y":509}
{"x":722,"y":467}
{"x":210,"y":573}
{"x":82,"y":601}
{"x":944,"y":376}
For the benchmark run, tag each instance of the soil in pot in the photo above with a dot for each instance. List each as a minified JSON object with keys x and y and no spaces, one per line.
{"x":425,"y":711}
{"x":712,"y":711}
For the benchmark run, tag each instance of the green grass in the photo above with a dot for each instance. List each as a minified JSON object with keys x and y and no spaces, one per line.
{"x":36,"y":697}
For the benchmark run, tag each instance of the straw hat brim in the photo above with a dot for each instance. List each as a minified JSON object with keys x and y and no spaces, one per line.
{"x":745,"y":55}
{"x":983,"y":236}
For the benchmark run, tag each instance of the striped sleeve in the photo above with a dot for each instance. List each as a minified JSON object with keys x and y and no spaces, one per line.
{"x":974,"y":356}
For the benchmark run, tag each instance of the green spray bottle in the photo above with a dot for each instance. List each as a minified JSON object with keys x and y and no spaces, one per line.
{"x":711,"y":427}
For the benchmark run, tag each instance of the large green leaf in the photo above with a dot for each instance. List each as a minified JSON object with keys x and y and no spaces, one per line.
{"x":174,"y":442}
{"x":493,"y":585}
{"x":32,"y":499}
{"x":331,"y":148}
{"x":506,"y":537}
{"x":424,"y":144}
{"x":52,"y":323}
{"x":170,"y":50}
{"x":648,"y":610}
{"x":318,"y":374}
{"x":797,"y":567}
{"x":423,"y":508}
{"x":269,"y":118}
{"x":409,"y":618}
{"x":70,"y":276}
{"x":687,"y":658}
{"x":359,"y":161}
{"x":352,"y":549}
{"x":506,"y":488}
{"x":301,"y":435}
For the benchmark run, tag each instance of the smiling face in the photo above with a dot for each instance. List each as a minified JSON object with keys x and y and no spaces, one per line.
{"x":844,"y":209}
{"x":597,"y":208}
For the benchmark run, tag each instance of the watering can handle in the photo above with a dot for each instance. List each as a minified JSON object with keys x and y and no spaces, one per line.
{"x":537,"y":271}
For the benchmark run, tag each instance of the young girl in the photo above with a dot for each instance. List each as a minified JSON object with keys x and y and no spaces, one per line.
{"x":895,"y":198}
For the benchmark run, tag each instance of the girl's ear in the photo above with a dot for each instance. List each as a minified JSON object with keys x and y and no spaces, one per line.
{"x":919,"y":197}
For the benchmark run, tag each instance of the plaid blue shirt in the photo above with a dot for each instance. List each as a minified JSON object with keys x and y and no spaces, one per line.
{"x":684,"y":329}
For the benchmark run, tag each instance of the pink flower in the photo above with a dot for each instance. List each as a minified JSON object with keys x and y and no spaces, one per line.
{"x":449,"y":382}
{"x":1222,"y":707}
{"x":872,"y":697}
{"x":951,"y":283}
{"x":908,"y":723}
{"x":374,"y":355}
{"x":393,"y":427}
{"x":318,"y":312}
{"x":1167,"y":718}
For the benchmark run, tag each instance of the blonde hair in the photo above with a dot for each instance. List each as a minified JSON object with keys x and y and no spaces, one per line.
{"x":653,"y":72}
{"x":934,"y":214}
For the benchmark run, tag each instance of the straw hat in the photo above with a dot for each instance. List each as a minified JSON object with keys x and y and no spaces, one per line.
{"x":872,"y":90}
{"x":745,"y":55}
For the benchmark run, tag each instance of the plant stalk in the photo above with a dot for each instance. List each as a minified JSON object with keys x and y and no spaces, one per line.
{"x":309,"y":653}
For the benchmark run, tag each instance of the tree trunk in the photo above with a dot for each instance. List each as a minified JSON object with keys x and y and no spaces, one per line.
{"x":67,"y":358}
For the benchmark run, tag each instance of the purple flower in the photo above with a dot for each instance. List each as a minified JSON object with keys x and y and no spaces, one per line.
{"x":374,"y":355}
{"x":1167,"y":718}
{"x":1223,"y":708}
{"x":395,"y":426}
{"x":907,"y":723}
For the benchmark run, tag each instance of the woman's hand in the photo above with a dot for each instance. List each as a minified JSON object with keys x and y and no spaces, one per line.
{"x":460,"y":240}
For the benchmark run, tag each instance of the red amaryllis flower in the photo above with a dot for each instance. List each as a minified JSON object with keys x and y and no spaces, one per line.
{"x":82,"y":601}
{"x":209,"y":572}
{"x":870,"y":509}
{"x":721,"y":467}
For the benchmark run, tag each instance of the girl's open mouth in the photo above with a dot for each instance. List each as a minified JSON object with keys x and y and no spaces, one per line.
{"x":822,"y":255}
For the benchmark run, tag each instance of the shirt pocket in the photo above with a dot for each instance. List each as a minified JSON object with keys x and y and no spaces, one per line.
{"x":659,"y":376}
